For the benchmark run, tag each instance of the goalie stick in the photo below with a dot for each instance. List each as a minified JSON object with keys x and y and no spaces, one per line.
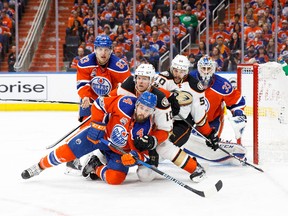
{"x":40,"y":101}
{"x":230,"y":154}
{"x":204,"y":193}
{"x":69,"y":133}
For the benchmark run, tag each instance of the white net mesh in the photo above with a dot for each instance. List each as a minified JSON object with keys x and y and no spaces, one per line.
{"x":272,"y":110}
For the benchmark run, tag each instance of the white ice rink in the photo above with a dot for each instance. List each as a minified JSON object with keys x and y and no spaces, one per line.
{"x":25,"y":135}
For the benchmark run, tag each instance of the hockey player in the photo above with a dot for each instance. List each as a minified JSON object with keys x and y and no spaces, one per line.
{"x":101,"y":68}
{"x":111,"y":119}
{"x":192,"y":109}
{"x":158,"y":138}
{"x":219,"y":93}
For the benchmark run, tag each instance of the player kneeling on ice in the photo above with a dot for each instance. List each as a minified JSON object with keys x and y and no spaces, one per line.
{"x":111,"y":119}
{"x":219,"y":93}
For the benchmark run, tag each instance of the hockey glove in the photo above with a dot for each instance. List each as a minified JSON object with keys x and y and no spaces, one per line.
{"x":130,"y":159}
{"x":238,"y":122}
{"x":146,"y":142}
{"x":213,"y":140}
{"x":96,"y":132}
{"x":153,"y":158}
{"x":174,"y":105}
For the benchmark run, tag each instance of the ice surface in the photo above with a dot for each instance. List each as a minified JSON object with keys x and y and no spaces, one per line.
{"x":25,"y":135}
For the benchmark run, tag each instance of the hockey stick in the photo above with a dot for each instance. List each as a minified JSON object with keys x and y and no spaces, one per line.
{"x":205,"y":193}
{"x":40,"y":101}
{"x":224,"y":150}
{"x":69,"y":133}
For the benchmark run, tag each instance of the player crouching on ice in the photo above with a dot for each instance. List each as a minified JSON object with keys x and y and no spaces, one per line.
{"x":219,"y":93}
{"x":111,"y":119}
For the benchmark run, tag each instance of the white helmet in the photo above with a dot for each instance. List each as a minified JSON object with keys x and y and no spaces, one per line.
{"x":180,"y":62}
{"x":206,"y":68}
{"x":147,"y":70}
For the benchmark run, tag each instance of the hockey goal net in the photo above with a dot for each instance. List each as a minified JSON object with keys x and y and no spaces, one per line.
{"x":265,"y":88}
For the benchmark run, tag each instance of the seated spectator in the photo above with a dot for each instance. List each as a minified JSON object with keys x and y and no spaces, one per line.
{"x":158,"y":15}
{"x":250,"y":31}
{"x":283,"y":32}
{"x":270,"y":48}
{"x":235,"y":42}
{"x":121,"y":11}
{"x":74,"y":16}
{"x":190,"y":22}
{"x":144,"y":27}
{"x":224,"y":50}
{"x":77,"y":58}
{"x":150,"y":53}
{"x":112,"y":24}
{"x":89,"y":19}
{"x":88,"y":50}
{"x":157,"y":43}
{"x":179,"y":31}
{"x":145,"y":16}
{"x":118,"y":51}
{"x":90,"y":32}
{"x":234,"y":60}
{"x":77,"y":30}
{"x":216,"y":56}
{"x":257,"y":41}
{"x":123,"y":42}
{"x":266,"y":32}
{"x":108,"y":12}
{"x":179,"y":9}
{"x":249,"y":58}
{"x":261,"y":55}
{"x":144,"y":4}
{"x":220,"y":31}
{"x":201,"y":50}
{"x":199,"y":11}
{"x":139,"y":59}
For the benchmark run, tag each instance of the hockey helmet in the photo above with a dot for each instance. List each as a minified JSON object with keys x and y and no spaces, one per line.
{"x":103,"y":41}
{"x":148,"y":99}
{"x":180,"y":62}
{"x":206,"y":68}
{"x":145,"y":70}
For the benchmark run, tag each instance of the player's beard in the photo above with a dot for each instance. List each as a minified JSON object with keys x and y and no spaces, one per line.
{"x":140,"y":118}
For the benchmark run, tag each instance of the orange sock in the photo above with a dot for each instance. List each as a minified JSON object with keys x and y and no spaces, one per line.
{"x":60,"y":155}
{"x":185,"y":162}
{"x":113,"y":177}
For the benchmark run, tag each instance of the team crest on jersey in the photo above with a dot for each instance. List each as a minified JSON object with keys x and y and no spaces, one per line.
{"x":123,"y":121}
{"x":200,"y":86}
{"x":165,"y":102}
{"x":101,"y":85}
{"x":119,"y":135}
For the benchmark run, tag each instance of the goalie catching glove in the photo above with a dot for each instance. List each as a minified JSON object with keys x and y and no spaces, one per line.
{"x":213,"y":140}
{"x":96,"y":132}
{"x":130,"y":159}
{"x":238,"y":122}
{"x":146,"y":142}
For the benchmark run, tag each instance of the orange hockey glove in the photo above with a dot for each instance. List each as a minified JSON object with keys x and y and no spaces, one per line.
{"x":130,"y":159}
{"x":96,"y":132}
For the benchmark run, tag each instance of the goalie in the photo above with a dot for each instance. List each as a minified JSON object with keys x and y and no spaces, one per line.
{"x":219,"y":93}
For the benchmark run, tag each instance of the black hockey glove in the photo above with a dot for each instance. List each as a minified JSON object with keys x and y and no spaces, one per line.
{"x":174,"y":105}
{"x":153,"y":158}
{"x":146,"y":142}
{"x":213,"y":140}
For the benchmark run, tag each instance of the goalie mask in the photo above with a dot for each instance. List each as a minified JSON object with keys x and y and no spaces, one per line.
{"x":144,"y":76}
{"x":206,"y":68}
{"x":145,"y":106}
{"x":179,"y":67}
{"x":102,"y":48}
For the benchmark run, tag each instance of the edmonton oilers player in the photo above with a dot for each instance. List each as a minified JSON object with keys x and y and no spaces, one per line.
{"x":111,"y":119}
{"x":102,"y":69}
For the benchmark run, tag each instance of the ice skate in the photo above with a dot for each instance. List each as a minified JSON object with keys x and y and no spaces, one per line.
{"x":73,"y":168}
{"x":31,"y":171}
{"x":199,"y":174}
{"x":89,"y":169}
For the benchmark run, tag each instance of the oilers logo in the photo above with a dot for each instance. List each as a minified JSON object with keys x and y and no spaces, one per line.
{"x":101,"y":86}
{"x":119,"y":135}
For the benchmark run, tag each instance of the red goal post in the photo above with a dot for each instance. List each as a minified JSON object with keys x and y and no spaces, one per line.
{"x":264,"y":89}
